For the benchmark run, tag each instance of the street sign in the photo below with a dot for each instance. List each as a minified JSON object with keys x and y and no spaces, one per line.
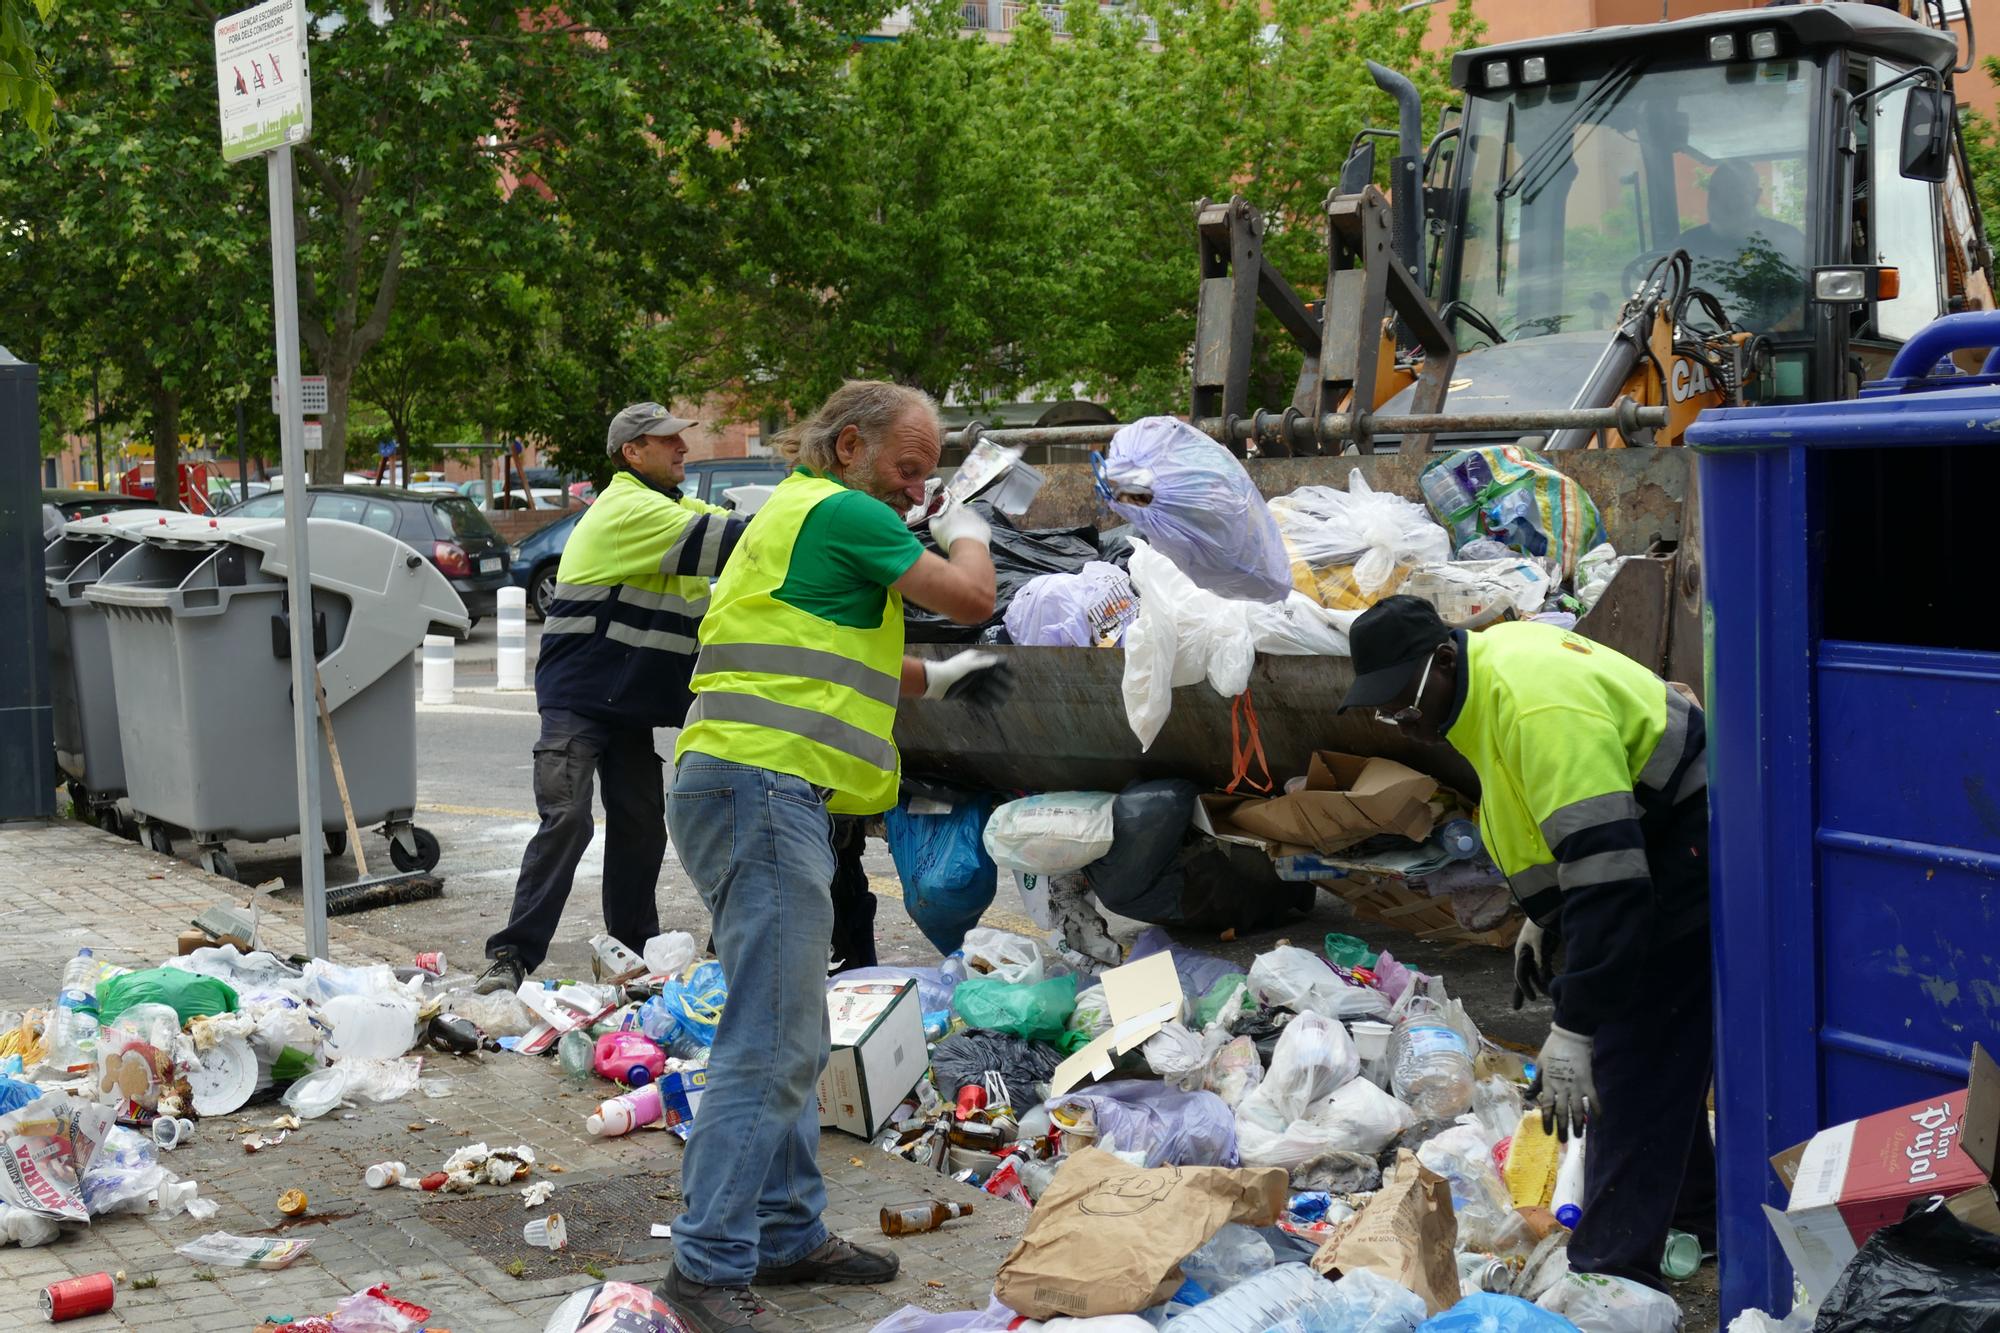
{"x":312,"y":395}
{"x":261,"y":80}
{"x":313,"y":437}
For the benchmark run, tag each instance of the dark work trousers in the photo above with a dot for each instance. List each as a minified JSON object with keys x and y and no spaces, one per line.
{"x":853,"y":902}
{"x":573,"y":748}
{"x":1649,"y":1161}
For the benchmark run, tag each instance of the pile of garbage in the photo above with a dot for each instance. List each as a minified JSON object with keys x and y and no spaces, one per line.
{"x":1325,"y":1138}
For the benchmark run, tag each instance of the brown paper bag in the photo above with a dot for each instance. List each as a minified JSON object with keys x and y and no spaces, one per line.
{"x":1406,"y":1233}
{"x":1108,"y":1238}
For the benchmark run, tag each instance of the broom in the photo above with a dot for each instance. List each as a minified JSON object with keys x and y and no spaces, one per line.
{"x":365,"y":894}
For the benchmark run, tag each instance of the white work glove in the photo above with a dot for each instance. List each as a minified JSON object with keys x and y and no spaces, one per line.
{"x":956,"y":522}
{"x":1534,"y":964}
{"x":1563,"y":1087}
{"x":983,"y":680}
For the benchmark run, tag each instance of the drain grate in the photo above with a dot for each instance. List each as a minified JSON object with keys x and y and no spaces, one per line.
{"x":610,"y":1222}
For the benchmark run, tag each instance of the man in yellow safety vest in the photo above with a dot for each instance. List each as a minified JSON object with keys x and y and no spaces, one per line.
{"x":795,"y":687}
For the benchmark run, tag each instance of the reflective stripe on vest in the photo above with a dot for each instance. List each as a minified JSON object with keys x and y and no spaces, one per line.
{"x":779,"y":688}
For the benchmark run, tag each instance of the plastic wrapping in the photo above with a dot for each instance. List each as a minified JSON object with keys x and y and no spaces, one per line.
{"x":1516,"y":497}
{"x":1292,"y":978}
{"x":1091,"y":608}
{"x":1185,"y":634}
{"x":1314,"y":1057}
{"x":1190,"y":496}
{"x":1055,"y":833}
{"x":1172,"y":1128}
{"x":1036,"y":1011}
{"x":1929,"y":1273}
{"x":948,"y":879}
{"x":1486,"y":1312}
{"x":498,"y":1015}
{"x":1231,"y":1255}
{"x":671,"y":953}
{"x":123,"y":1175}
{"x":1463,"y":1155}
{"x":1467,"y":590}
{"x":1600,"y":1303}
{"x":1351,"y":548}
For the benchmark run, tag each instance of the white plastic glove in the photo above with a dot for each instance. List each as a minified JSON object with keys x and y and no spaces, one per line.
{"x":956,"y":522}
{"x":972,"y":677}
{"x":1563,"y":1087}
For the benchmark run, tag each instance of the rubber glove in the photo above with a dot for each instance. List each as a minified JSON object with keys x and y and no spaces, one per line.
{"x":981,"y":679}
{"x":1563,"y":1087}
{"x":1534,"y":964}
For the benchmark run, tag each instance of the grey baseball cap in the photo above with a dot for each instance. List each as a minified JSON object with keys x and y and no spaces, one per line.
{"x":641,"y":419}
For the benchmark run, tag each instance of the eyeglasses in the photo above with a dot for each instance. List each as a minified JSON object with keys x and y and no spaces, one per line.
{"x":1404,"y":716}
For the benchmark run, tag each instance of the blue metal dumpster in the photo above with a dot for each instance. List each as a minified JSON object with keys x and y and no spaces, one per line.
{"x":1853,"y":696}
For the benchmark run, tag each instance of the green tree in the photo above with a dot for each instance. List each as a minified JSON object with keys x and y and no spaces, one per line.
{"x":981,"y":218}
{"x":25,"y":88}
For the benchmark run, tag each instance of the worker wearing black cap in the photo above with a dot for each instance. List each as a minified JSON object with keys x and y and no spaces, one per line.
{"x":1594,"y":803}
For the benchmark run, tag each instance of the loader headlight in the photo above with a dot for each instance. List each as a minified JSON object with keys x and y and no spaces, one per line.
{"x":1853,"y":284}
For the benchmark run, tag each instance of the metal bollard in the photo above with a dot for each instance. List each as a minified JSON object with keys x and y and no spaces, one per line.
{"x":437,"y":668}
{"x":512,"y":629}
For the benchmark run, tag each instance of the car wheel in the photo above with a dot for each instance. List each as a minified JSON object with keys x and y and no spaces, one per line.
{"x":542,"y":590}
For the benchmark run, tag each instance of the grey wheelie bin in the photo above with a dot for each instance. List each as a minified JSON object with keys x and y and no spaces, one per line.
{"x":199,"y":654}
{"x":88,"y":752}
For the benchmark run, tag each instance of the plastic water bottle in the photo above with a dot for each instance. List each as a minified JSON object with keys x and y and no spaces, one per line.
{"x":1430,"y":1067}
{"x":576,"y":1053}
{"x":73,"y":1026}
{"x":1288,"y":1296}
{"x":1459,"y":839}
{"x":1567,"y":1200}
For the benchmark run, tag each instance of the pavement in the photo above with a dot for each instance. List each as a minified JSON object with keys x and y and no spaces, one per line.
{"x":67,"y":886}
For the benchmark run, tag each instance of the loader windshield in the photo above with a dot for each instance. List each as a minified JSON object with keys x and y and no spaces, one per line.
{"x":1571,"y":191}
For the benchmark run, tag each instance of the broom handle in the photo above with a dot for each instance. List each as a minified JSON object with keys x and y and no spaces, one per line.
{"x":339,"y":777}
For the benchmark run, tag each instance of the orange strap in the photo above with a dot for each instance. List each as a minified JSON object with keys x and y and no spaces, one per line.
{"x":1243,"y":713}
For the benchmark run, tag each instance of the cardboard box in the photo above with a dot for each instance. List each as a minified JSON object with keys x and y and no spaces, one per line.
{"x":878,"y":1053}
{"x":680,"y":1098}
{"x":1851,"y":1180}
{"x":1346,"y":800}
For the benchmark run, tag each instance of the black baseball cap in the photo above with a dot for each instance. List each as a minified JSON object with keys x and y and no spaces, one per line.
{"x":1390,"y":640}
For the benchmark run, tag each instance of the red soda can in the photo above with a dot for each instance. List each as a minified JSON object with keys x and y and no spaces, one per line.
{"x":77,"y":1297}
{"x":971,"y":1098}
{"x":432,"y":963}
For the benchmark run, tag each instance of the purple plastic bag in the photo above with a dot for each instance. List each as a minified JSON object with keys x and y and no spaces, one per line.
{"x":1172,"y":1128}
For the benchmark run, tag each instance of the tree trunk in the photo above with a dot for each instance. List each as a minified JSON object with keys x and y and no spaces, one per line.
{"x":166,"y":448}
{"x":329,"y":465}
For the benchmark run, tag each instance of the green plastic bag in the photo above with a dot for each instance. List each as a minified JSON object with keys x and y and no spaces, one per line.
{"x":1230,"y":995}
{"x":186,"y":993}
{"x":1035,"y":1013}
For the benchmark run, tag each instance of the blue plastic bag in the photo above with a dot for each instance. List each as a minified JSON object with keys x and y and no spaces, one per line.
{"x":690,"y":1007}
{"x":948,"y":879}
{"x":14,"y":1094}
{"x":1191,"y":498}
{"x":1487,"y":1312}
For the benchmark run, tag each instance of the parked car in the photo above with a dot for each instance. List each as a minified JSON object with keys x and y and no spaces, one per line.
{"x":709,"y":478}
{"x":73,"y":505}
{"x":447,"y":530}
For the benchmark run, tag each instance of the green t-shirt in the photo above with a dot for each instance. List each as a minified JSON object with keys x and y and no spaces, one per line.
{"x":851,"y":548}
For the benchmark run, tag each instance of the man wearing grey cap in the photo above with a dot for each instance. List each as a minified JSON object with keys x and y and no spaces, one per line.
{"x":618,"y":646}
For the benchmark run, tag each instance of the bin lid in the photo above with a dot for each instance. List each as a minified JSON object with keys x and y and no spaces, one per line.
{"x":395,"y":594}
{"x":1933,"y":416}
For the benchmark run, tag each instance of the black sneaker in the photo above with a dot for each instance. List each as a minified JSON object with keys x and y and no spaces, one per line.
{"x":839,"y":1262}
{"x":718,"y":1309}
{"x":505,"y":973}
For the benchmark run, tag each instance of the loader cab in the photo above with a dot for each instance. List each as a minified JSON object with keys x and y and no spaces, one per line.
{"x":1767,"y":143}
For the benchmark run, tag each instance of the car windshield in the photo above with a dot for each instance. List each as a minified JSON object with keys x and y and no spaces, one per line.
{"x":1574,"y":190}
{"x":459,"y":517}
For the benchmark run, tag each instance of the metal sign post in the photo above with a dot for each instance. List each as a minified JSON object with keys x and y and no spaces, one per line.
{"x":265,"y":94}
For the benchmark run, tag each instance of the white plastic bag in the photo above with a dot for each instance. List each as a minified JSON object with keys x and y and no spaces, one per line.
{"x":1190,"y":496}
{"x":1600,"y":1303}
{"x":1594,"y":572}
{"x":20,"y":1227}
{"x":1235,"y":1071}
{"x":1374,"y":531}
{"x":1361,"y":1118}
{"x":1464,"y":590}
{"x":370,"y":1027}
{"x":1003,"y":954}
{"x":500,"y":1014}
{"x":1185,"y":634}
{"x":1092,"y":1015}
{"x":1178,"y":1056}
{"x":1055,"y":833}
{"x":1292,"y":978}
{"x":670,"y":953}
{"x":1087,"y":609}
{"x":1313,"y":1057}
{"x":324,"y":980}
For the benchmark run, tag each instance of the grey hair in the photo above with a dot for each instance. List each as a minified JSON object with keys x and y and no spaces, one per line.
{"x":872,"y":407}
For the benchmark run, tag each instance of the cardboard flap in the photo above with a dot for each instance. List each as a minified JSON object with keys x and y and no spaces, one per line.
{"x":1346,"y":799}
{"x":1981,"y":1139}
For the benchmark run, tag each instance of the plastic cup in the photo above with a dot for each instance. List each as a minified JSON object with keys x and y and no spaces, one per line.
{"x":169,"y":1132}
{"x":547,"y":1233}
{"x":1371,"y":1039}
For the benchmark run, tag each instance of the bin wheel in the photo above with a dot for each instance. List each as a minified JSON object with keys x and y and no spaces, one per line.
{"x":155,"y":837}
{"x":427,"y":855}
{"x":217,"y":861}
{"x":336,"y":843}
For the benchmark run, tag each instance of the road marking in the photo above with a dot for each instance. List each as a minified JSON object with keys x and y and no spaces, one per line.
{"x":476,"y":710}
{"x":486,"y":811}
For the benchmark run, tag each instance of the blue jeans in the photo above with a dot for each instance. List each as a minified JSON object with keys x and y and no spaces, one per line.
{"x":757,"y":846}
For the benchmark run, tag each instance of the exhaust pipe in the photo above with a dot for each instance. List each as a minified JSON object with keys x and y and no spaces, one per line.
{"x":1406,"y":170}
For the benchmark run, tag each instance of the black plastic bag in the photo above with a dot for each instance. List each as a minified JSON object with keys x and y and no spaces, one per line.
{"x":1148,"y":821}
{"x":1019,"y":554}
{"x":1929,"y":1273}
